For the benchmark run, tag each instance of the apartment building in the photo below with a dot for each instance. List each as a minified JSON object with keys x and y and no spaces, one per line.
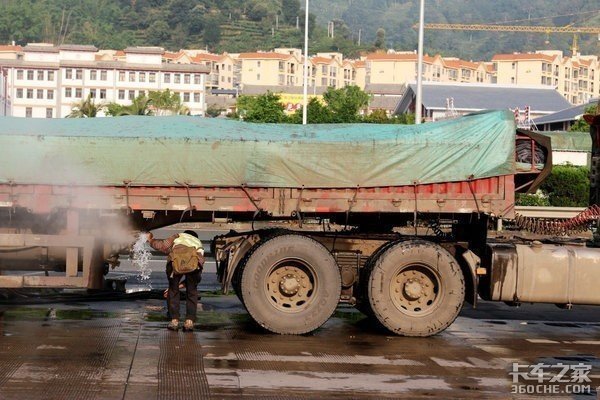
{"x":47,"y":81}
{"x":269,"y":69}
{"x":401,"y":68}
{"x":222,"y":70}
{"x":577,"y":78}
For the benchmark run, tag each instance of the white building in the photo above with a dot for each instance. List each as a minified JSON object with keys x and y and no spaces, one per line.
{"x":47,"y":81}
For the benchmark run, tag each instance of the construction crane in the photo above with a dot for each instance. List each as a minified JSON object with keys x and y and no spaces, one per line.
{"x":575,"y":30}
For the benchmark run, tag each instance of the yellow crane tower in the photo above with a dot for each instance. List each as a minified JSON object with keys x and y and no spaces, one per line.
{"x":575,"y":30}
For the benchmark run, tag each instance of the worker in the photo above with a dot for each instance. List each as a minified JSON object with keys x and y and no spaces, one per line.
{"x":185,"y":257}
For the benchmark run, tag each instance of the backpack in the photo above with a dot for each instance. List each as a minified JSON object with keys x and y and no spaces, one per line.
{"x":184,"y":259}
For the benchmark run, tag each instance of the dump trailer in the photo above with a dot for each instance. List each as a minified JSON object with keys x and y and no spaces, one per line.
{"x":395,"y":220}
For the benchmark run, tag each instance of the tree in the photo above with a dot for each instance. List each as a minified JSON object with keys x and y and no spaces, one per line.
{"x":258,"y":11}
{"x":568,"y":186}
{"x":158,"y":33}
{"x":139,"y":106}
{"x":580,"y":125}
{"x":212,"y":33}
{"x":317,"y":113}
{"x":214,"y":111}
{"x":263,"y":108}
{"x":165,"y":102}
{"x":380,"y":39}
{"x":86,"y":108}
{"x":346,"y":102}
{"x":291,"y":10}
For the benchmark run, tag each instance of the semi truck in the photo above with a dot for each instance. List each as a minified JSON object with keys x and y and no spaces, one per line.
{"x":402,"y":222}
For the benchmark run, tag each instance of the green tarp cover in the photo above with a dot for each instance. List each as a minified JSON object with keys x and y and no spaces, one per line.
{"x":217,"y":152}
{"x":570,"y":141}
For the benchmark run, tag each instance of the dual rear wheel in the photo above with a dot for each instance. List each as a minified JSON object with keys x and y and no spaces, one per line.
{"x":290,"y":284}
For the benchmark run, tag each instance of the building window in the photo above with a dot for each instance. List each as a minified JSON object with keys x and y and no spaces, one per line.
{"x":142,"y":77}
{"x":258,"y":77}
{"x":121,"y":95}
{"x":186,"y":97}
{"x":93,"y":93}
{"x":78,"y":93}
{"x":324,"y":69}
{"x":196,"y":97}
{"x":40,"y":94}
{"x":228,"y":79}
{"x":50,"y":95}
{"x":152,"y":77}
{"x":512,"y":80}
{"x":40,"y":75}
{"x":28,"y":112}
{"x":323,"y":81}
{"x":30,"y":75}
{"x":79,"y":74}
{"x":49,"y":113}
{"x":197,"y":79}
{"x":121,"y":76}
{"x":68,"y":92}
{"x":20,"y":74}
{"x":68,"y":73}
{"x":186,"y":79}
{"x":131,"y":94}
{"x":103,"y":93}
{"x":222,"y":79}
{"x":167,"y":78}
{"x":177,"y":78}
{"x":93,"y":75}
{"x":30,"y":93}
{"x":258,"y":64}
{"x":19,"y":93}
{"x":51,"y":76}
{"x":132,"y":77}
{"x":103,"y":75}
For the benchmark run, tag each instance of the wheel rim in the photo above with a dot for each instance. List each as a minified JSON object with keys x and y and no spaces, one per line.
{"x":416,"y":290}
{"x":290,"y":285}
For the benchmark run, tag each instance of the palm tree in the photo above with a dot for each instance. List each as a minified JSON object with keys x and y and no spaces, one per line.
{"x":86,"y":108}
{"x":139,"y":106}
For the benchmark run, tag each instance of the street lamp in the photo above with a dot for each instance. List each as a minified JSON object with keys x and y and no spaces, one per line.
{"x":419,"y":100}
{"x":305,"y":98}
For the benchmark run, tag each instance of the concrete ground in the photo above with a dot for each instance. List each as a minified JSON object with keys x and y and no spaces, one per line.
{"x":121,"y":350}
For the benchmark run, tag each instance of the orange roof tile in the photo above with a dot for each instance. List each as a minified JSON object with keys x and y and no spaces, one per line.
{"x":456,"y":64}
{"x":200,"y":57}
{"x":173,"y":56}
{"x":10,"y":48}
{"x":400,"y":57}
{"x":321,"y":60}
{"x":272,"y":56}
{"x":119,"y":53}
{"x":523,"y":57}
{"x":360,"y":64}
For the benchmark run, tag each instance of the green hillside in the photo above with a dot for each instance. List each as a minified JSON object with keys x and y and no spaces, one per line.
{"x":239,"y":25}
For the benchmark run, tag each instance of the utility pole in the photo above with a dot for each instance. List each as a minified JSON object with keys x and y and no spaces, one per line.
{"x":419,"y":99}
{"x":305,"y":91}
{"x":359,"y":33}
{"x":297,"y":23}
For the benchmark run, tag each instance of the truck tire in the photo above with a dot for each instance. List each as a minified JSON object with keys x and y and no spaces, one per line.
{"x":416,"y":288}
{"x":290,"y":284}
{"x":363,"y":305}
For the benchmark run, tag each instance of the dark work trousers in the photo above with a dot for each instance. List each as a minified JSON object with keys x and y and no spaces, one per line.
{"x":192,"y":280}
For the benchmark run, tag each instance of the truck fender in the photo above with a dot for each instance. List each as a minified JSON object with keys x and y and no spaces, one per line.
{"x":472,"y":262}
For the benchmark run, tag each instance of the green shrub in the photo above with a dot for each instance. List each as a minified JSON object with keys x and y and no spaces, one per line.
{"x":568,"y":186}
{"x":536,"y":199}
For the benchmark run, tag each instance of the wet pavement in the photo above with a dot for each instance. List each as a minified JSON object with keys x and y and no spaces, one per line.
{"x":121,"y":350}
